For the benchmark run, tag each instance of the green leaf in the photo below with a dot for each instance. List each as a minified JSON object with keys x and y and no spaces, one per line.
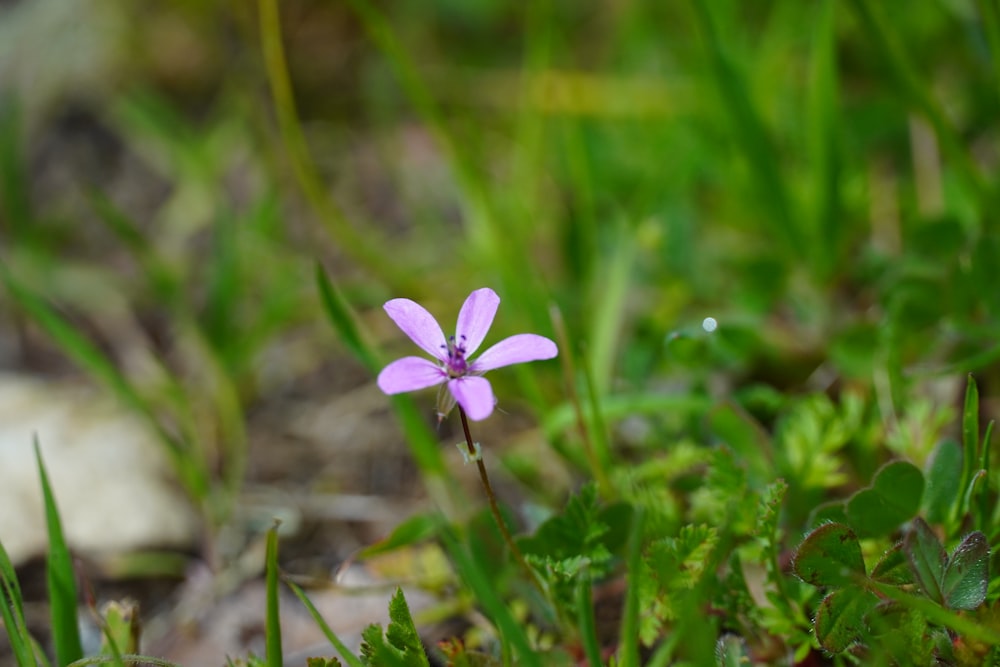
{"x":61,"y":578}
{"x":12,"y":613}
{"x":121,"y":627}
{"x":744,"y":436}
{"x":323,"y":662}
{"x":970,"y":433}
{"x":400,"y":646}
{"x":944,"y":473}
{"x":511,"y":631}
{"x":927,"y":559}
{"x":893,"y":568}
{"x":829,"y":556}
{"x":585,"y":529}
{"x":92,"y":360}
{"x":417,"y":528}
{"x":628,"y":651}
{"x":967,"y":575}
{"x":324,"y":627}
{"x":840,"y":619}
{"x":272,"y":636}
{"x":344,"y":321}
{"x":893,"y":497}
{"x":679,"y":562}
{"x":402,"y":633}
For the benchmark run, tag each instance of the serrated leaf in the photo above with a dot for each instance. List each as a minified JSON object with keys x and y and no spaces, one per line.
{"x":927,"y":559}
{"x":402,"y":633}
{"x":829,"y":556}
{"x":893,"y":568}
{"x":840,"y":619}
{"x":944,"y":473}
{"x":967,"y":575}
{"x":582,"y":530}
{"x":741,"y":432}
{"x":770,"y":507}
{"x":893,"y":497}
{"x":323,"y":662}
{"x":679,"y":562}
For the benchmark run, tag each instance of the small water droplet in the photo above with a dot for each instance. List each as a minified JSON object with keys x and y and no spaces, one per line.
{"x":709,"y":324}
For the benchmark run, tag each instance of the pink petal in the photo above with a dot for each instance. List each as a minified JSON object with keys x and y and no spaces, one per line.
{"x":410,"y":374}
{"x":474,"y":394}
{"x":515,"y":350}
{"x":475,"y":318}
{"x":419,"y":325}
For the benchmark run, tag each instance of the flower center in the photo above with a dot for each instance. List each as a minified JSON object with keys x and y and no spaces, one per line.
{"x":456,"y":365}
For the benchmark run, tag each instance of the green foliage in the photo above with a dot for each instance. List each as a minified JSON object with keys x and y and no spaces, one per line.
{"x":635,"y":170}
{"x":893,"y":497}
{"x":12,"y":611}
{"x":957,"y":581}
{"x":830,"y":557}
{"x":272,"y":620}
{"x":323,"y":662}
{"x":121,"y":628}
{"x":579,"y":544}
{"x":400,"y":645}
{"x":61,"y":578}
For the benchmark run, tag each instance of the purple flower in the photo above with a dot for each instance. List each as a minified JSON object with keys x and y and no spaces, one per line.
{"x":452,"y":365}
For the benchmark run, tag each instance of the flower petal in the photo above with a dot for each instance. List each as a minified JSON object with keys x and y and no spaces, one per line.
{"x":414,"y":320}
{"x":410,"y":374}
{"x":474,"y":394}
{"x":475,"y":318}
{"x":515,"y":350}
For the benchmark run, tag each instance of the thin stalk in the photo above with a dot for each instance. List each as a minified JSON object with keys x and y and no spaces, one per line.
{"x":494,"y":507}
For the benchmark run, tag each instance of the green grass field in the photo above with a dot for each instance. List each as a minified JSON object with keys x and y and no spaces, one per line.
{"x":764,"y":237}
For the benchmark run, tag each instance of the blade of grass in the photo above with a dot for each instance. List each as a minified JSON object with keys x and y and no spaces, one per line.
{"x":904,"y":73}
{"x":962,"y":624}
{"x":586,"y":622}
{"x":85,"y":354}
{"x":622,"y":405}
{"x":752,"y":136}
{"x":363,"y":247}
{"x":599,"y":465}
{"x":331,"y":636}
{"x":272,"y":630}
{"x":345,"y":323}
{"x":628,"y":651}
{"x":15,"y":204}
{"x":477,"y":216}
{"x":989,"y":12}
{"x":822,"y":103}
{"x":485,"y":592}
{"x":421,"y":440}
{"x":61,"y":578}
{"x":612,"y":290}
{"x":12,"y":613}
{"x":970,"y":439}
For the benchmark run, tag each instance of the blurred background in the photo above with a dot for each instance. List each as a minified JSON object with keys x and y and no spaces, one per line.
{"x":191,"y":193}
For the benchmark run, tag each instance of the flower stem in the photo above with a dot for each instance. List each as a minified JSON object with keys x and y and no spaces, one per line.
{"x":494,"y":508}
